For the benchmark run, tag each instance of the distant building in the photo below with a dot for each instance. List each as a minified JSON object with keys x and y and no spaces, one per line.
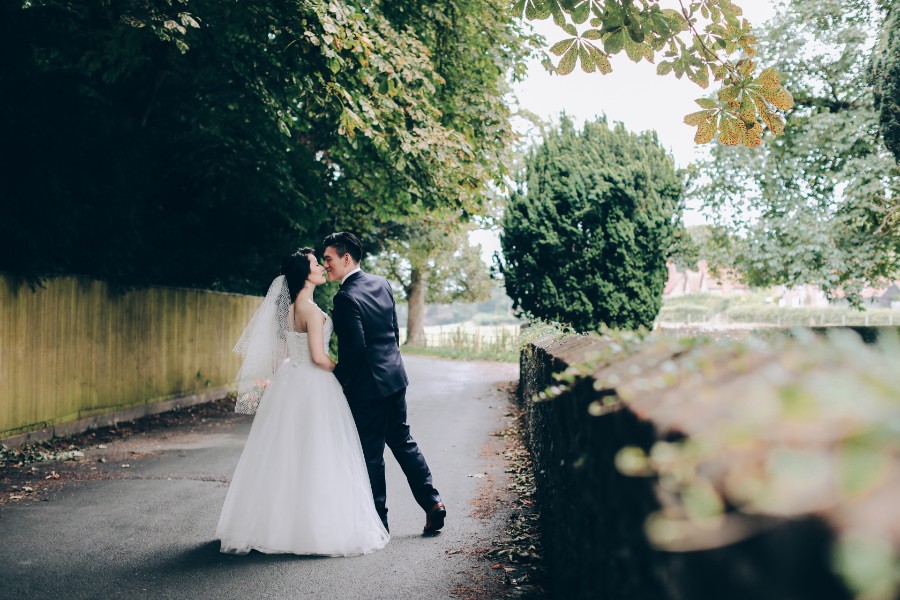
{"x":800,"y":296}
{"x":702,"y":281}
{"x":682,"y":283}
{"x":889,"y":298}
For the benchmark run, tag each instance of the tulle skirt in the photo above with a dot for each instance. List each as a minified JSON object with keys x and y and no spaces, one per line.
{"x":301,"y":485}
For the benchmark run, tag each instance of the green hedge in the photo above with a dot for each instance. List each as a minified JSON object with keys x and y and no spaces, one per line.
{"x":683,"y":313}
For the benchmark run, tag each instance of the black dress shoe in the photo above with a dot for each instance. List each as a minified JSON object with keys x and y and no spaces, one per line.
{"x":434,"y":518}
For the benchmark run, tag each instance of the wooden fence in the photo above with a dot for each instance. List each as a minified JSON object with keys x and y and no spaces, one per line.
{"x":77,"y":348}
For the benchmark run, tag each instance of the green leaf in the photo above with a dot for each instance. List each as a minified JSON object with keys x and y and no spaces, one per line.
{"x":614,"y":42}
{"x":635,"y":33}
{"x":534,"y":10}
{"x":700,"y":76}
{"x":581,"y":12}
{"x":567,"y":62}
{"x":587,"y":63}
{"x":560,"y":47}
{"x":600,"y":59}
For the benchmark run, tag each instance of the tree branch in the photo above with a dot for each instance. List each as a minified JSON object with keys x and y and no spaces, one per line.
{"x":832,"y":104}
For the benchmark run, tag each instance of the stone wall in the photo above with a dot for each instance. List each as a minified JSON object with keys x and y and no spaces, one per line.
{"x":660,"y":397}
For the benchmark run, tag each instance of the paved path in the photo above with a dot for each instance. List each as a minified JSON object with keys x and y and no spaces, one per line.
{"x":151,"y":535}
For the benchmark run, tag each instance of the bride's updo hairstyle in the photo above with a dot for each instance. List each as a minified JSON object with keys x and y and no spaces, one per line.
{"x":295,"y":268}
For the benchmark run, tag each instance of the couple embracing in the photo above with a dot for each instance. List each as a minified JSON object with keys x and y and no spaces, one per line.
{"x":311,"y":477}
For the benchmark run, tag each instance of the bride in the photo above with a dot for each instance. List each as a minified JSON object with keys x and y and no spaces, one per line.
{"x":301,"y":485}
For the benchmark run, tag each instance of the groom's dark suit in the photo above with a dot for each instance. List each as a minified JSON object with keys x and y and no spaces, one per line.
{"x":371,"y":372}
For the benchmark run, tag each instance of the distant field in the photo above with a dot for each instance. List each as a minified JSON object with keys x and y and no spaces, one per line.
{"x":440,"y":335}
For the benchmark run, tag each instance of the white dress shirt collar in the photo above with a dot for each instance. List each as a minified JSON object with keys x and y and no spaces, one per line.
{"x":344,"y":278}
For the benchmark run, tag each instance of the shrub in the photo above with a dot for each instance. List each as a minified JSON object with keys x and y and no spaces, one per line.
{"x":585,"y":240}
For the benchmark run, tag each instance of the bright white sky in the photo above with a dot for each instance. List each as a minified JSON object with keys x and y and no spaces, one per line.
{"x":632,"y":94}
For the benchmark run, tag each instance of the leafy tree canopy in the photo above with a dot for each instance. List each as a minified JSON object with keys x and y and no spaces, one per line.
{"x":819,"y":205}
{"x":586,"y":237}
{"x":194,"y":142}
{"x":886,"y":78}
{"x":703,"y":40}
{"x":430,"y":261}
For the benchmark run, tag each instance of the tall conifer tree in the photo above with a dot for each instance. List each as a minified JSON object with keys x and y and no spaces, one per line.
{"x":585,"y":239}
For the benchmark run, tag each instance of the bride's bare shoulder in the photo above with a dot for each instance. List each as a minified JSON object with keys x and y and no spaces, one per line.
{"x":305,"y":313}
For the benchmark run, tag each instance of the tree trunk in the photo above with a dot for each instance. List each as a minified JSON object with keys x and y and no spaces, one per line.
{"x":415,"y":297}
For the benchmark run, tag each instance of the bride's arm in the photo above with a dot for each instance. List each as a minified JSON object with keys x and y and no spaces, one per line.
{"x":316,"y":337}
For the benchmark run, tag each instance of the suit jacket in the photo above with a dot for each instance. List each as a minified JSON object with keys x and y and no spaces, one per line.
{"x":365,"y":321}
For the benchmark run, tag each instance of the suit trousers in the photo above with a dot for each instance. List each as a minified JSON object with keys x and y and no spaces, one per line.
{"x":381,"y":421}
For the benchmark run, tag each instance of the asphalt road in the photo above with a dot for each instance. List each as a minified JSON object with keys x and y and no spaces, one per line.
{"x":150,"y":534}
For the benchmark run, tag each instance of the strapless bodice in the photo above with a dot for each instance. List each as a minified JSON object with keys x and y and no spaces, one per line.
{"x":298,"y":343}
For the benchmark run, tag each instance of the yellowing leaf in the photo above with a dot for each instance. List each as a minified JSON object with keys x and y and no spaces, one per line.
{"x":753,"y":135}
{"x":747,"y":42}
{"x":769,"y":78}
{"x":781,"y":99}
{"x":604,"y":65}
{"x":705,"y":132}
{"x":729,"y":93}
{"x":731,"y":132}
{"x":695,"y":119}
{"x":706,"y":103}
{"x":761,"y":105}
{"x":774,"y":122}
{"x":748,"y":110}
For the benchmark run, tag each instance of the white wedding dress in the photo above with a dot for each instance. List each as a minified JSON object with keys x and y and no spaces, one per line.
{"x":301,"y":485}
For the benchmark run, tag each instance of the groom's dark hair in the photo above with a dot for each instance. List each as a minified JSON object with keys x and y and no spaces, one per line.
{"x":343,"y":243}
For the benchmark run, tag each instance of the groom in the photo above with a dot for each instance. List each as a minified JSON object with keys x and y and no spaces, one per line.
{"x":371,"y":372}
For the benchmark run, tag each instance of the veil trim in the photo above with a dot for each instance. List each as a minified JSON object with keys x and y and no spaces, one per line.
{"x":263,"y":345}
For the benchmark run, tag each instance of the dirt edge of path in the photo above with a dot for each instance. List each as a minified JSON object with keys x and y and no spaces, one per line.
{"x":509,"y":565}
